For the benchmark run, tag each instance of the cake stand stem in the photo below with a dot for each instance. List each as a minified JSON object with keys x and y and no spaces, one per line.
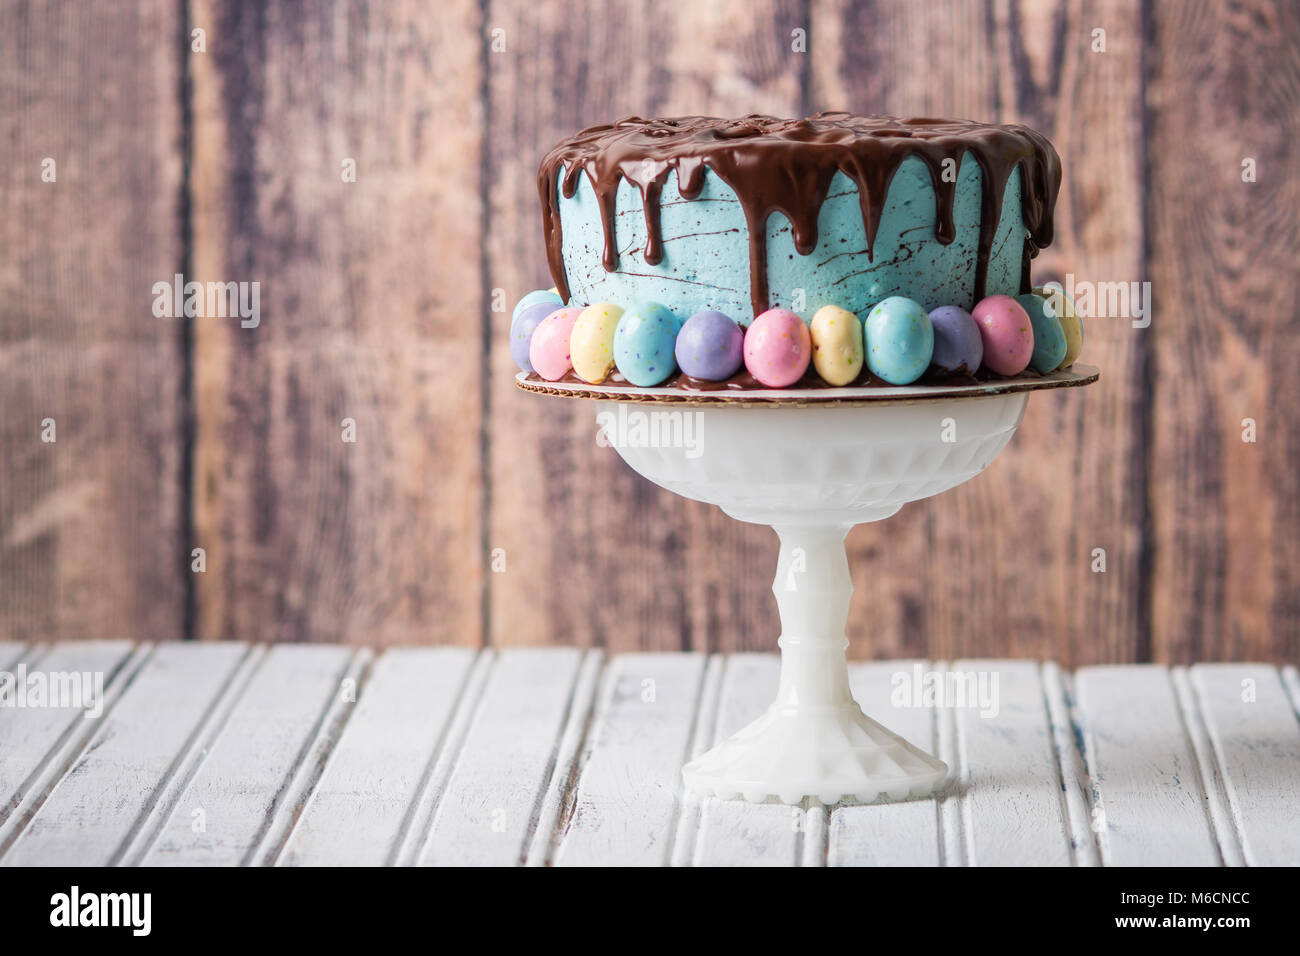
{"x":814,"y":740}
{"x":812,"y":589}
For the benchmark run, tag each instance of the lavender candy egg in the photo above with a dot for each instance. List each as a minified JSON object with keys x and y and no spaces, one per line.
{"x":958,"y":346}
{"x":710,"y":346}
{"x":522,"y":329}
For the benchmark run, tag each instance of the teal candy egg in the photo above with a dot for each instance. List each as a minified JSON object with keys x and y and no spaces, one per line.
{"x":533,"y":298}
{"x":1049,"y":338}
{"x":900,"y":340}
{"x":644,"y":343}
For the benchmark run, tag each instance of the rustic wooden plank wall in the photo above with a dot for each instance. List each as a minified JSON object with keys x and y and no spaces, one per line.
{"x":465,"y":512}
{"x":91,"y":523}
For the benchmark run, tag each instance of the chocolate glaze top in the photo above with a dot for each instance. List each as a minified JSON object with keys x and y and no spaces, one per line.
{"x":786,"y":166}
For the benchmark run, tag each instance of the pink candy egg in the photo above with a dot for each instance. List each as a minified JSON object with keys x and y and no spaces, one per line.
{"x":778,"y":348}
{"x":1007,"y":333}
{"x":548,"y":352}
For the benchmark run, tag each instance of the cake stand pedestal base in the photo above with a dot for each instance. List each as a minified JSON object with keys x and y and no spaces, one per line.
{"x":814,"y":740}
{"x":812,"y":463}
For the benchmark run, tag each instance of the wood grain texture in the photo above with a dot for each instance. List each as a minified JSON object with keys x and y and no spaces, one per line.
{"x":90,"y":524}
{"x":594,"y":554}
{"x":370,"y":312}
{"x":94,"y":810}
{"x":1225,"y":88}
{"x":626,"y":801}
{"x":246,"y":775}
{"x":361,"y":810}
{"x":1256,"y":743}
{"x":1002,"y":565}
{"x":488,"y":811}
{"x":1149,"y":795}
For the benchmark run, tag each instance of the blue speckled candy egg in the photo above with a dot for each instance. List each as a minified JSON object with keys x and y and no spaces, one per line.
{"x":522,"y":329}
{"x":958,"y":345}
{"x":644,"y":343}
{"x":900,"y":340}
{"x":535,"y":297}
{"x":1049,"y":337}
{"x":709,"y":346}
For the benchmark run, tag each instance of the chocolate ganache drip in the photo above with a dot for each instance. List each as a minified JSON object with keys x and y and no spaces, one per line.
{"x":786,"y":166}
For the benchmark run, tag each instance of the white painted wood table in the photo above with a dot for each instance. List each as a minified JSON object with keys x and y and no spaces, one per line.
{"x":312,"y":754}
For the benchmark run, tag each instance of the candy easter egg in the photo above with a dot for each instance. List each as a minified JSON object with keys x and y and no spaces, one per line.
{"x":549,"y":350}
{"x":709,"y":346}
{"x":522,"y":329}
{"x":1007,"y":333}
{"x":957,"y":343}
{"x":837,"y":344}
{"x":591,"y":347}
{"x":644,"y":343}
{"x":778,"y":348}
{"x":1071,"y":325}
{"x":900,"y":340}
{"x":533,"y":298}
{"x":1049,"y":339}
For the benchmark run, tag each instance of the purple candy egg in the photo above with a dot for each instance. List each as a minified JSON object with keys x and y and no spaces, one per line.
{"x":710,"y":346}
{"x":958,"y":345}
{"x":522,"y":328}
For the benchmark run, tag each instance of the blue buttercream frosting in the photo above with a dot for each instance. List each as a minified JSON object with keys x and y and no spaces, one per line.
{"x":705,"y":262}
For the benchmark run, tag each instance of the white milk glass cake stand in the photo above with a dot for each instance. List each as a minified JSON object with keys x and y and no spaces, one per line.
{"x":812,"y":463}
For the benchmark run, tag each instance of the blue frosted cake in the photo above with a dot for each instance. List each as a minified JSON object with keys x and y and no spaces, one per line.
{"x":762,"y":252}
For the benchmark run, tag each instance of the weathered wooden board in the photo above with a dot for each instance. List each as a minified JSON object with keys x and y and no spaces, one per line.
{"x":309,"y":755}
{"x":1256,"y":740}
{"x":1224,"y":94}
{"x":141,"y":745}
{"x":369,"y":329}
{"x":643,"y":569}
{"x":1009,"y":796}
{"x":33,"y":738}
{"x":244,"y":784}
{"x":362,"y":809}
{"x":1149,"y":793}
{"x":91,"y":523}
{"x":1002,"y":565}
{"x":626,"y":804}
{"x":568,"y":753}
{"x":490,"y":807}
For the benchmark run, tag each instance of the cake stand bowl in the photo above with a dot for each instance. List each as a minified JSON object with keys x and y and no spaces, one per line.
{"x":811,"y":464}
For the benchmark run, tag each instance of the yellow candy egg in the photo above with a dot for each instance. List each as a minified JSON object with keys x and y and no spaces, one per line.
{"x":837,"y":344}
{"x":1070,"y":323}
{"x":591,"y":346}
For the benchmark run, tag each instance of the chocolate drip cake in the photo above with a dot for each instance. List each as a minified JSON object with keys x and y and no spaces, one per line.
{"x":761,"y":252}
